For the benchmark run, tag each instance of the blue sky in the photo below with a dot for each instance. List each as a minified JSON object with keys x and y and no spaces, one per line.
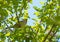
{"x":31,"y":10}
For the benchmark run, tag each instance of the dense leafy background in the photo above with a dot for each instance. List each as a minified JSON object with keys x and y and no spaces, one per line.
{"x":46,"y":27}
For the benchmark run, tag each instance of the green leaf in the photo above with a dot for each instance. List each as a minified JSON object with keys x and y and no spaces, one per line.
{"x":24,"y":4}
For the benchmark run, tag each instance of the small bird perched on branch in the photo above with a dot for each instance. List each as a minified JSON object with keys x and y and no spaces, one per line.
{"x":20,"y":24}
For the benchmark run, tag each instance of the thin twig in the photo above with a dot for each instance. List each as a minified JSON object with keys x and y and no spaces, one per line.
{"x":7,"y":26}
{"x":17,"y":15}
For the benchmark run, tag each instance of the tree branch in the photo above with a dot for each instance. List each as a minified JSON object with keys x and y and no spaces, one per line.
{"x":49,"y":33}
{"x":53,"y":34}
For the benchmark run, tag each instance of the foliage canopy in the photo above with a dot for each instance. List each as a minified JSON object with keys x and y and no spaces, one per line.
{"x":14,"y":14}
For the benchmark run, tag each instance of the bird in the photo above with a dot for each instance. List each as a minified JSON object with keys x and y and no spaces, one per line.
{"x":20,"y":24}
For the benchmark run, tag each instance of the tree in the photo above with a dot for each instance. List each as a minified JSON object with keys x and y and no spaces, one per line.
{"x":14,"y":17}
